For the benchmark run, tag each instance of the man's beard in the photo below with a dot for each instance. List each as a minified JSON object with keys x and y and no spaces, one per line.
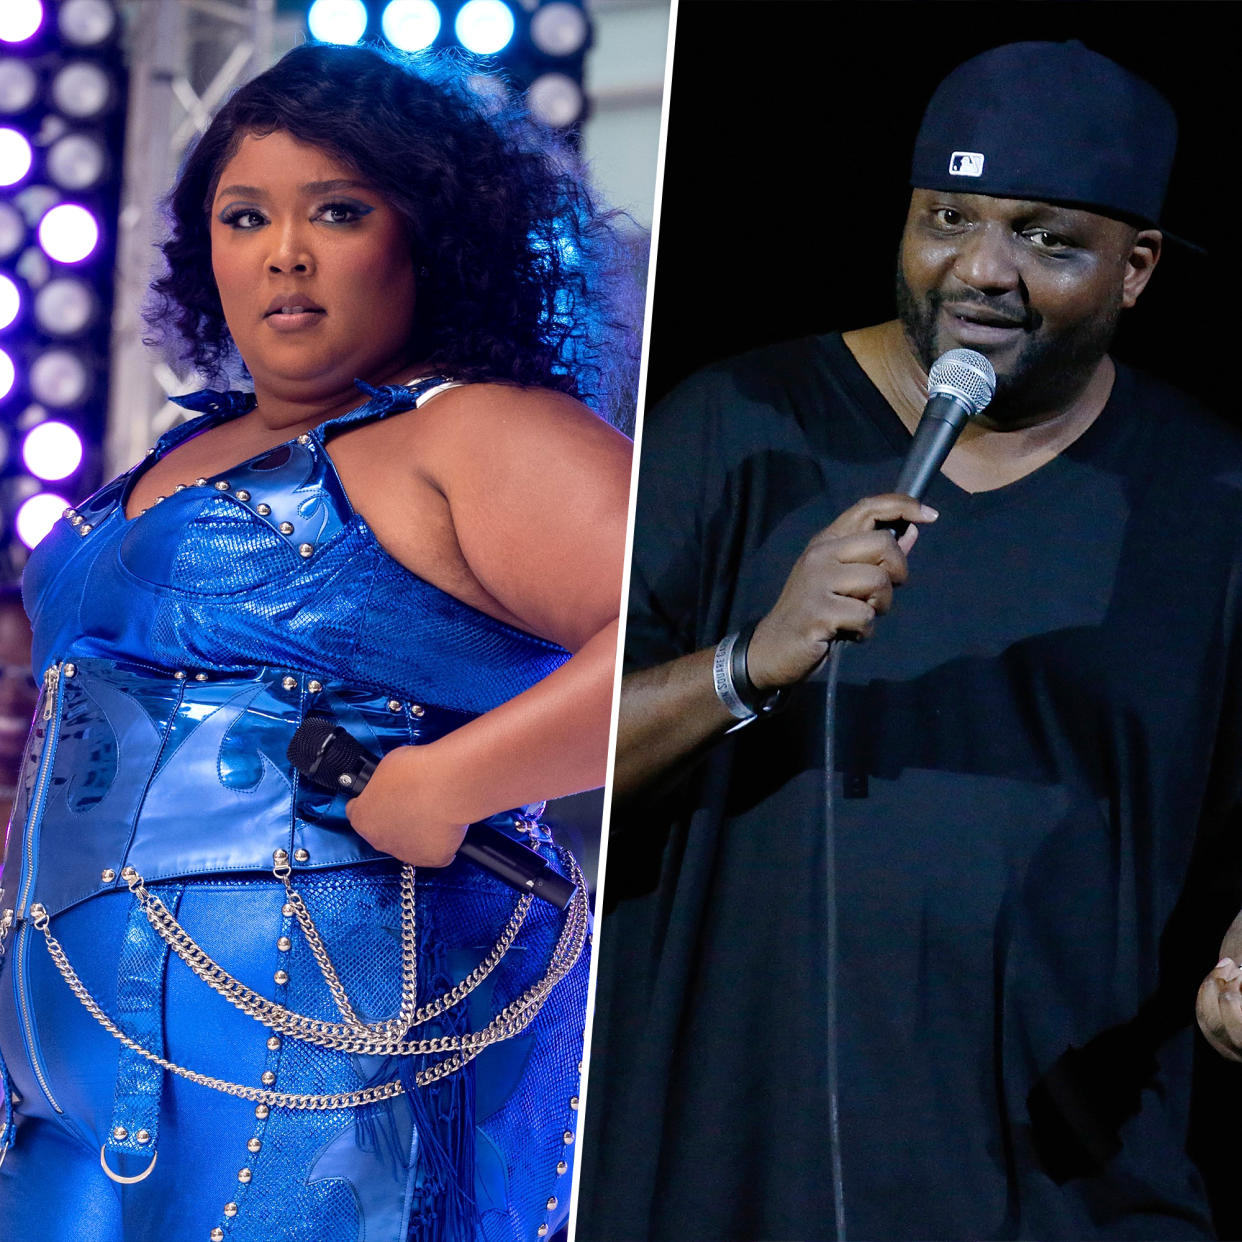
{"x":1047,"y":372}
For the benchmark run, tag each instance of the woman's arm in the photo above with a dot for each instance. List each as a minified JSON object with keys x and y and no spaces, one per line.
{"x":535,"y":489}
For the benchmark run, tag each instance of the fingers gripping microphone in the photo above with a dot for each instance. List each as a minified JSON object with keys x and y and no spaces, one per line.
{"x":331,"y":758}
{"x":960,"y":384}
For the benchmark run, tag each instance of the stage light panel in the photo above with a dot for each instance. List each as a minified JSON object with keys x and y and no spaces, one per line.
{"x":484,"y":26}
{"x":65,"y":306}
{"x":12,"y":230}
{"x":81,"y":90}
{"x":10,"y":301}
{"x":38,"y":515}
{"x":76,"y":162}
{"x":19,"y":19}
{"x":68,"y":233}
{"x":555,"y":100}
{"x":86,"y":23}
{"x":337,"y":21}
{"x":52,"y":450}
{"x":558,"y":28}
{"x":19,"y":84}
{"x":59,"y":378}
{"x":15,"y":156}
{"x":411,"y":25}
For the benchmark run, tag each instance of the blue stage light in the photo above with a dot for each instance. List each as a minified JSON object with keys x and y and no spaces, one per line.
{"x":484,"y":26}
{"x":19,"y":19}
{"x":337,"y":21}
{"x":411,"y":25}
{"x":10,"y":301}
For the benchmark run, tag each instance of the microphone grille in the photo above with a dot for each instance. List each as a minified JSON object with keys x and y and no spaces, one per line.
{"x":963,"y":373}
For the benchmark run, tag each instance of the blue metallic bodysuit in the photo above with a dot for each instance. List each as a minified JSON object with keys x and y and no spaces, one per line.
{"x":278,"y":1032}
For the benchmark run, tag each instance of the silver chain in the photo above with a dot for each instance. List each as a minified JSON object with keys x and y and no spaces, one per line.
{"x":379,"y":1039}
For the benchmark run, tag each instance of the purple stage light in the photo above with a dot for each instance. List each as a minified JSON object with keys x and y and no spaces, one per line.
{"x":38,"y":515}
{"x":68,"y":233}
{"x":52,"y":450}
{"x":8,"y":373}
{"x":10,"y":301}
{"x":19,"y":19}
{"x":15,"y":156}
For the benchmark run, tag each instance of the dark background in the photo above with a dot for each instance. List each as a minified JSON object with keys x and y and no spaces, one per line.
{"x":790,"y":131}
{"x":786,"y":175}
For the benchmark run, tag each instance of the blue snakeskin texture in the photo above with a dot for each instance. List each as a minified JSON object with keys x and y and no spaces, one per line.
{"x":189,"y":644}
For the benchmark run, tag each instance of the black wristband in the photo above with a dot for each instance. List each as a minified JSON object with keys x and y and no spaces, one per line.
{"x":758,"y":701}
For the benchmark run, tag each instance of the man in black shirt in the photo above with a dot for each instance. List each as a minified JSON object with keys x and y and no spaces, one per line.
{"x":857,"y":1014}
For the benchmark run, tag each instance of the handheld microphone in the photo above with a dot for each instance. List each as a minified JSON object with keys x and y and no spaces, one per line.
{"x":960,"y":384}
{"x":333,"y":759}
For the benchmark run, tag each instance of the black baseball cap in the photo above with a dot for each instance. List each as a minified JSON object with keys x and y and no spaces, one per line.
{"x":1050,"y":121}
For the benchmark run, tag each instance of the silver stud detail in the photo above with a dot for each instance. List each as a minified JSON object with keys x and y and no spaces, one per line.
{"x":273,"y":1042}
{"x":244,"y":1176}
{"x":287,"y":910}
{"x":217,"y":1234}
{"x":394,"y":705}
{"x":76,"y":520}
{"x":263,"y":510}
{"x":69,"y":514}
{"x":143,"y":1137}
{"x":551,"y":1202}
{"x":562,"y":1168}
{"x":417,"y":709}
{"x":120,"y":1134}
{"x":107,"y":875}
{"x":567,"y":1137}
{"x":262,"y":1111}
{"x":280,"y":856}
{"x":150,"y":450}
{"x":253,"y":1145}
{"x":314,"y":686}
{"x":71,"y":670}
{"x":230,"y":1209}
{"x":301,"y":855}
{"x":85,"y":529}
{"x":180,"y":487}
{"x":542,"y":1231}
{"x":573,"y":1101}
{"x":242,"y":494}
{"x":128,"y":873}
{"x":268,"y":1078}
{"x":303,"y":438}
{"x":306,"y":549}
{"x":200,"y":482}
{"x":160,"y":499}
{"x":200,"y":676}
{"x":284,"y":944}
{"x":180,"y":674}
{"x":222,"y":485}
{"x":281,"y":976}
{"x":289,"y":683}
{"x":286,"y":528}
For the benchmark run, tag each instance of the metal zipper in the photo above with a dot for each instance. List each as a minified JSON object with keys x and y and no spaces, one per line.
{"x":22,"y":990}
{"x":34,"y":816}
{"x":51,"y":712}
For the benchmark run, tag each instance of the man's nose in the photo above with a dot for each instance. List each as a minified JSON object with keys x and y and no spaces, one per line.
{"x":986,"y":260}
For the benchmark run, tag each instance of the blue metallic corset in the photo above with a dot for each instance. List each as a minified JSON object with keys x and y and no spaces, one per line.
{"x":267,"y":564}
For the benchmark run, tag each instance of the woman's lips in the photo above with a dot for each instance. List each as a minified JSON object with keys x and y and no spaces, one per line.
{"x":293,"y":320}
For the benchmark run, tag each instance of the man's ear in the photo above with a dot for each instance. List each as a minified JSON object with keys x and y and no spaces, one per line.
{"x":1140,"y":263}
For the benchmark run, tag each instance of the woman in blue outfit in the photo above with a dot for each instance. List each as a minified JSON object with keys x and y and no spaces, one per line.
{"x":232,"y":1004}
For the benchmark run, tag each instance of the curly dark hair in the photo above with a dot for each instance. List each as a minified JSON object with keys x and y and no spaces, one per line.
{"x":525,"y":278}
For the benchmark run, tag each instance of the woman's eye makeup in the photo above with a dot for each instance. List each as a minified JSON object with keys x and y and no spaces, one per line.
{"x":242,"y":217}
{"x":335,"y":212}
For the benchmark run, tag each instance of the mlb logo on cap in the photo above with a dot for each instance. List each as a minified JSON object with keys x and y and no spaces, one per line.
{"x":966,"y":164}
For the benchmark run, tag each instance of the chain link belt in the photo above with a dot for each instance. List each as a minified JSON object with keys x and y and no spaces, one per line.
{"x":386,"y":1038}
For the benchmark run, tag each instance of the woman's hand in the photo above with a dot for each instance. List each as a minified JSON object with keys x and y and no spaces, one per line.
{"x":402,"y":809}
